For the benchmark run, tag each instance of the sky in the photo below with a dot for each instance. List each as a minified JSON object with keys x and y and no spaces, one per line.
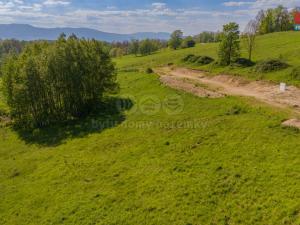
{"x":129,"y":16}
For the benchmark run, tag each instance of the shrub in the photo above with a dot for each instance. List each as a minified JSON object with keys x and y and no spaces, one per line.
{"x":188,"y":43}
{"x":236,"y":110}
{"x":55,"y":82}
{"x":204,"y":60}
{"x":243,"y":62}
{"x":295,"y":74}
{"x":188,"y":57}
{"x":149,"y":70}
{"x":194,"y":59}
{"x":270,"y":65}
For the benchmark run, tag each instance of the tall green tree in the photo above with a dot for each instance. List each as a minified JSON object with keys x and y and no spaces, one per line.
{"x":147,"y":47}
{"x":134,"y":47}
{"x":229,"y":49}
{"x":176,"y":39}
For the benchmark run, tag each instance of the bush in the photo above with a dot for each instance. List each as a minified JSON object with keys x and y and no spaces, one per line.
{"x":194,"y":59}
{"x":295,"y":74}
{"x":55,"y":82}
{"x":242,"y":62}
{"x":188,"y":43}
{"x":201,"y":60}
{"x":270,"y":65}
{"x":204,"y":60}
{"x":149,"y":70}
{"x":188,"y":57}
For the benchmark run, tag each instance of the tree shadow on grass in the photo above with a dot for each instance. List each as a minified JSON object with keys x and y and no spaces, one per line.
{"x":109,"y":114}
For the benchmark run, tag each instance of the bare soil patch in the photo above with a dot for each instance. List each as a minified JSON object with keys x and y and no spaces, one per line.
{"x":221,"y":85}
{"x":292,"y":123}
{"x":232,"y":85}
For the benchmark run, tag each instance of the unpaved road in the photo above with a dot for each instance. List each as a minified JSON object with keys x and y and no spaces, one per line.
{"x":198,"y":83}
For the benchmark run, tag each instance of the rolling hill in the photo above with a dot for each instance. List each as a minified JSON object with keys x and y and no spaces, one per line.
{"x":29,"y":33}
{"x":226,"y":160}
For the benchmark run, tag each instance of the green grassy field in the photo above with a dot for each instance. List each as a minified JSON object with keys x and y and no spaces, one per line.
{"x":212,"y":161}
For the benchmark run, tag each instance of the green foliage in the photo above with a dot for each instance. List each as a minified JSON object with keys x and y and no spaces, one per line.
{"x":8,"y":47}
{"x":275,"y":20}
{"x":149,"y":70}
{"x":208,"y":37}
{"x":176,"y":39}
{"x":188,"y":57}
{"x":204,"y":60}
{"x":200,"y":60}
{"x":116,"y":52}
{"x":243,"y":62}
{"x":188,"y":42}
{"x":56,"y":82}
{"x":295,"y":74}
{"x":229,"y":49}
{"x":193,"y":59}
{"x":134,"y":47}
{"x":270,"y":65}
{"x":147,"y":47}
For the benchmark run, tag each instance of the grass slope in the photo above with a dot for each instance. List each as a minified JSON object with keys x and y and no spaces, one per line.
{"x":285,"y":45}
{"x":236,"y":165}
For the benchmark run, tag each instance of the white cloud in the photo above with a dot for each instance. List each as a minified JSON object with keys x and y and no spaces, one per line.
{"x":56,"y":2}
{"x":237,"y":4}
{"x":155,"y":17}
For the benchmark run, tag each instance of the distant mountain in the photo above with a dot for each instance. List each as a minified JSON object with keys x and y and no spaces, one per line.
{"x":29,"y":33}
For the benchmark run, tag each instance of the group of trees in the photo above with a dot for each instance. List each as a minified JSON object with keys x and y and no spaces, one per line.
{"x":135,"y":47}
{"x":50,"y":82}
{"x":178,"y":41}
{"x":275,"y":20}
{"x":272,"y":20}
{"x":11,"y":46}
{"x":208,"y":37}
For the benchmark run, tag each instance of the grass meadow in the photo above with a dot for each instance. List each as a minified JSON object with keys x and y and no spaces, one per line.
{"x":152,"y":161}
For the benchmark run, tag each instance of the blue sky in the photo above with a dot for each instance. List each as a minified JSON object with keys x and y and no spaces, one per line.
{"x":128,"y":16}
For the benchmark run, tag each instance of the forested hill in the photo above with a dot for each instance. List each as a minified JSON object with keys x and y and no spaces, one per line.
{"x":29,"y":33}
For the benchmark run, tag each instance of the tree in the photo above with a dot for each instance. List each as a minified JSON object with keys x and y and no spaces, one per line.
{"x":250,"y":35}
{"x":188,"y":42}
{"x":229,"y":49}
{"x":52,"y":82}
{"x":147,"y":47}
{"x":176,"y":39}
{"x":275,"y":20}
{"x":282,"y":19}
{"x":134,"y":47}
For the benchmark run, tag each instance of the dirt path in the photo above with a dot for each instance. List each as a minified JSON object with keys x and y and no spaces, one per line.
{"x":230,"y":85}
{"x":198,"y":83}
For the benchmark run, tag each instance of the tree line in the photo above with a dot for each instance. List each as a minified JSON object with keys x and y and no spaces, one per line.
{"x":136,"y":47}
{"x":275,"y":20}
{"x":57,"y":81}
{"x":10,"y":46}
